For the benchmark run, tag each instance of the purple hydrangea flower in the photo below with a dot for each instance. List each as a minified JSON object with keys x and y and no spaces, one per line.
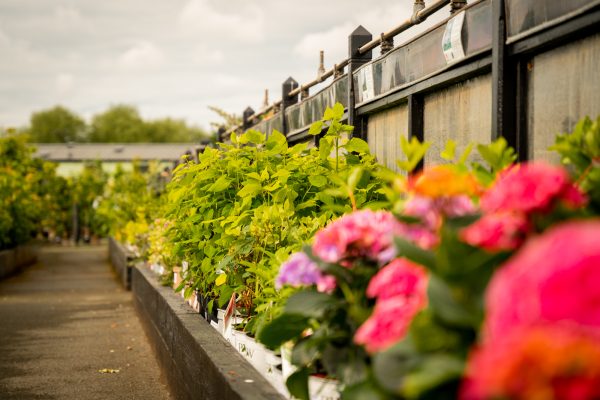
{"x":299,"y":270}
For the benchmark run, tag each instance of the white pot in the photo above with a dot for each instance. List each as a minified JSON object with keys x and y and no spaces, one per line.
{"x":215,"y":325}
{"x":287,"y":368}
{"x":323,"y":389}
{"x":254,"y":352}
{"x":275,"y":378}
{"x":274,"y":374}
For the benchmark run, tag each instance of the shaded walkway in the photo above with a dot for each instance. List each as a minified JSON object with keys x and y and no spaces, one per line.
{"x":65,"y":319}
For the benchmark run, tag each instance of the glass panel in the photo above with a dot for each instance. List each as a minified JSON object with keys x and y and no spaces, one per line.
{"x":477,"y":31}
{"x":384,"y":131}
{"x":424,"y":55}
{"x":463,"y":113}
{"x":564,"y":86}
{"x":303,"y":114}
{"x":523,"y":15}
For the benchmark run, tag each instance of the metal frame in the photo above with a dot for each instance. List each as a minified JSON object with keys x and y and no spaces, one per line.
{"x":508,"y":61}
{"x":511,"y":58}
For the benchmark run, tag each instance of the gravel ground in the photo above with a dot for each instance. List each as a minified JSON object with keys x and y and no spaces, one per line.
{"x":69,"y":331}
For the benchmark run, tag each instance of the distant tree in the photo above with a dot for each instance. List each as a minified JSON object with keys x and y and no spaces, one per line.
{"x":228,"y":120}
{"x":119,"y":124}
{"x":56,"y":125}
{"x":172,"y":130}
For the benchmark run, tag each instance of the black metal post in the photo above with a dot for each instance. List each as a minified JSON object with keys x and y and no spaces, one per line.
{"x":503,"y":90}
{"x":356,"y":40}
{"x":521,"y":123}
{"x":220,"y":134}
{"x":416,"y":120}
{"x":286,"y":101}
{"x":246,"y":120}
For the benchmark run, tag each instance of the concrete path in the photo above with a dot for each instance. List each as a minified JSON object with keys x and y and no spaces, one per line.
{"x":62,"y":322}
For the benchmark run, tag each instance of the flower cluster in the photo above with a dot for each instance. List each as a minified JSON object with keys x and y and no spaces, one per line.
{"x":437,"y":193}
{"x":520,"y":193}
{"x":547,"y":344}
{"x":299,"y":270}
{"x":363,"y":234}
{"x":400,"y":289}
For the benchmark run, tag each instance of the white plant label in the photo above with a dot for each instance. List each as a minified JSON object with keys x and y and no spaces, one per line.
{"x":367,"y":84}
{"x":184,"y":266}
{"x":452,"y":40}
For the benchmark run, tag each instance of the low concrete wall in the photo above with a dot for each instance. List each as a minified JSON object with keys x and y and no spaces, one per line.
{"x":13,"y":259}
{"x":121,"y":260}
{"x":198,"y":362}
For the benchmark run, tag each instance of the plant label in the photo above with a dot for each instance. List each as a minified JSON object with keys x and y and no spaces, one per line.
{"x":452,"y":40}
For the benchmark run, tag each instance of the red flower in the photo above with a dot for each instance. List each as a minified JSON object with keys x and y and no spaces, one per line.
{"x":531,"y":187}
{"x":401,"y":291}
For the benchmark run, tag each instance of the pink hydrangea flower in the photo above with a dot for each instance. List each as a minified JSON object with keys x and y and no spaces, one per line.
{"x":497,"y":231}
{"x":362,"y":234}
{"x":299,"y":270}
{"x":387,"y":325}
{"x":401,"y":277}
{"x":531,"y":187}
{"x":401,"y":291}
{"x":541,"y":336}
{"x":554,"y":277}
{"x":432,"y":211}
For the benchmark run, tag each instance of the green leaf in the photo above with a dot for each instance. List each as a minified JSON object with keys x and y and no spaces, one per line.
{"x":254,"y":136}
{"x":444,"y":305}
{"x":364,"y":390}
{"x":414,"y":253}
{"x":250,"y":189}
{"x":276,"y":141}
{"x":297,"y":384}
{"x":390,"y":366}
{"x":281,"y":329}
{"x":305,"y":352}
{"x":225,"y":295}
{"x":315,"y":128}
{"x":220,"y":185}
{"x":221,"y":279}
{"x":354,"y":178}
{"x":414,"y":152}
{"x":449,"y":151}
{"x":465,"y":154}
{"x":317,"y":180}
{"x":310,"y":303}
{"x":434,"y":371}
{"x":338,"y":111}
{"x":325,"y":147}
{"x":357,"y":145}
{"x":497,"y":154}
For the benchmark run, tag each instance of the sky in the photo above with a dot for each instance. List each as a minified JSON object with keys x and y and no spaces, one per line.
{"x":173,"y":58}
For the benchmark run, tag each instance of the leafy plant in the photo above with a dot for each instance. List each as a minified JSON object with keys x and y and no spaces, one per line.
{"x":245,"y":206}
{"x":580,"y":150}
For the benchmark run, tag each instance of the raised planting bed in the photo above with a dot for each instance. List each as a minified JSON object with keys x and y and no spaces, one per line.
{"x":121,"y":260}
{"x":13,"y":259}
{"x":198,"y":362}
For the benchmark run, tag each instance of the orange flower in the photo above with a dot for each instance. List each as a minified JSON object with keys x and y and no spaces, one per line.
{"x":445,"y":180}
{"x":548,"y":362}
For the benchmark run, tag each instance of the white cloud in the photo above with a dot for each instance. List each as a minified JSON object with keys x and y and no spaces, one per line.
{"x":202,"y":54}
{"x":68,"y":16}
{"x":332,"y":41}
{"x":4,"y":39}
{"x":199,"y":16}
{"x":64,"y":84}
{"x":226,"y":80}
{"x":142,"y":55}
